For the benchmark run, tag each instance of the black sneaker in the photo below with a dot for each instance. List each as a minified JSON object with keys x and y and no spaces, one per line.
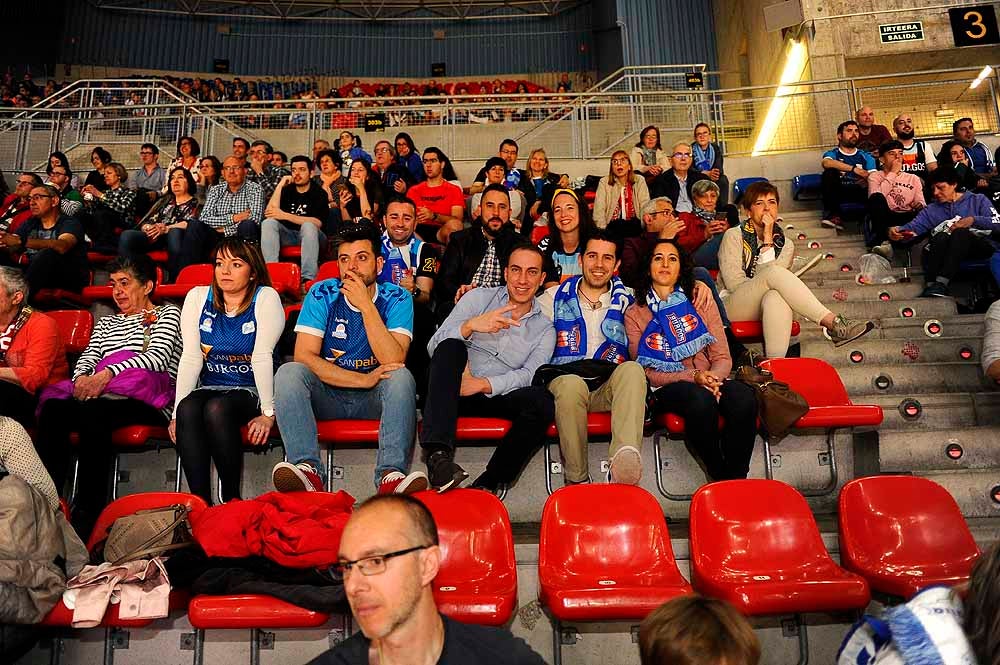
{"x":935,"y":290}
{"x":442,"y":471}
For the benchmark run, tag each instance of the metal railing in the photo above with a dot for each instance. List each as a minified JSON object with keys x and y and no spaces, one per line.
{"x":589,"y":124}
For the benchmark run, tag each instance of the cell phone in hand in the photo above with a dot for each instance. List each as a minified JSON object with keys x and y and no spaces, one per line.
{"x":721,"y":217}
{"x":907,"y":234}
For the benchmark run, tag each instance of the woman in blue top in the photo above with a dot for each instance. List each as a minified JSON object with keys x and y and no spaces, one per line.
{"x":225,"y":380}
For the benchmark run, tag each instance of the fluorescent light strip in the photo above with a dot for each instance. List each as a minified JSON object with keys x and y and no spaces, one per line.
{"x":987,"y":70}
{"x":795,"y":63}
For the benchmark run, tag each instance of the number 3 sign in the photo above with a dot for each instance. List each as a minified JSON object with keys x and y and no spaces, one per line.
{"x":974,"y":26}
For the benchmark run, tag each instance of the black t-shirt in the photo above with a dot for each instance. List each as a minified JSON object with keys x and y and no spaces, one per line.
{"x":312,"y":203}
{"x":464,"y":644}
{"x":76,"y":256}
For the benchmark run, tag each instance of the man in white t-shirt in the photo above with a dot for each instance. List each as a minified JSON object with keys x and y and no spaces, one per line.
{"x":918,"y":159}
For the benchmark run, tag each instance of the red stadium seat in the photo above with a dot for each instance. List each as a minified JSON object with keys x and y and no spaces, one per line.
{"x":539,"y":232}
{"x":327,"y":270}
{"x":291,"y":253}
{"x":75,"y":328}
{"x":613,"y":563}
{"x":598,"y":427}
{"x":250,"y":611}
{"x":830,"y":408}
{"x":65,"y":297}
{"x":904,"y":534}
{"x":158,"y":256}
{"x":477,"y":581}
{"x":753,"y":331}
{"x":286,"y":278}
{"x":200,"y":274}
{"x":128,"y":505}
{"x":755,"y":544}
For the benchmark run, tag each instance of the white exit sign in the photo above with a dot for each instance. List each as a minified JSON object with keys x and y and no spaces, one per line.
{"x":901,"y":32}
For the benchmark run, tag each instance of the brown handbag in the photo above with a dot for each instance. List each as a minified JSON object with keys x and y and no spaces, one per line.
{"x":777,"y":404}
{"x":148,"y":533}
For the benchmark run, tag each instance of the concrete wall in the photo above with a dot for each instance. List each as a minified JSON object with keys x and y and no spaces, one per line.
{"x":748,"y":53}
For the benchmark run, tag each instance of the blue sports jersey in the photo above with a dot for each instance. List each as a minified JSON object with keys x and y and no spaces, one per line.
{"x":859,"y":158}
{"x":326,"y":314}
{"x":227,"y":345}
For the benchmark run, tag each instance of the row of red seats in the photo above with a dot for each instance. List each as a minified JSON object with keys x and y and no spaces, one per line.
{"x":753,"y":543}
{"x":377,"y":89}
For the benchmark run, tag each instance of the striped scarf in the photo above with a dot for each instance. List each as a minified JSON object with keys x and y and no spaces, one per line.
{"x":571,"y":330}
{"x":675,"y":332}
{"x":751,"y":251}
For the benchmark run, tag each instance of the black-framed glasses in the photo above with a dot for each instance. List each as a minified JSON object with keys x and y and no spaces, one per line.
{"x":373,"y":565}
{"x":661,"y":212}
{"x":39,"y":197}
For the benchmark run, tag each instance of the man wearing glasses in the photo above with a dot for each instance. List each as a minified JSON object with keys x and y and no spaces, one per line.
{"x":440,"y":204}
{"x":676,"y":182}
{"x":53,"y":243}
{"x":389,"y":557}
{"x":70,"y":200}
{"x":15,"y":206}
{"x":148,"y":179}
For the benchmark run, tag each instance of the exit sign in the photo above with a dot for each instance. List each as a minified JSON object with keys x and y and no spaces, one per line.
{"x":901,"y":32}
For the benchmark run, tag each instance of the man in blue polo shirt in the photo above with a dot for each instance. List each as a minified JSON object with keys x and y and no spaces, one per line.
{"x":845,"y":174}
{"x":353,"y":335}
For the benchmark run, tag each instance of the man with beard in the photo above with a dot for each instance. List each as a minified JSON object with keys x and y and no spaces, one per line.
{"x":474,"y":257}
{"x":411,"y":264}
{"x":964,"y":133}
{"x":588,"y":312}
{"x":870,"y":135}
{"x":845,"y":174}
{"x":294,"y":216}
{"x":483,"y":359}
{"x":389,"y":556}
{"x":353,"y":335}
{"x":917,"y":159}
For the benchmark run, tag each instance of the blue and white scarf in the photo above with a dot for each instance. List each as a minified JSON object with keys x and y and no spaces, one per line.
{"x":571,"y":330}
{"x":513,"y":179}
{"x":703,"y":159}
{"x":395,"y":260}
{"x":676,"y":332}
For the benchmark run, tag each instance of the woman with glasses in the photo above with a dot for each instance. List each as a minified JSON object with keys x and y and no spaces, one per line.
{"x":620,"y":195}
{"x":676,"y":182}
{"x":109,"y":209}
{"x":187,"y":156}
{"x":648,"y":156}
{"x":708,"y":158}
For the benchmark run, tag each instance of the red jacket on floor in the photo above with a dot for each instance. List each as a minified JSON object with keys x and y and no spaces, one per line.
{"x":293,"y":529}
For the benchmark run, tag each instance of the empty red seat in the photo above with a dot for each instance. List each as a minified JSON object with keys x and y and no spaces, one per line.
{"x":477,"y":581}
{"x":250,"y":611}
{"x":199,"y":274}
{"x":904,"y":534}
{"x":598,"y":425}
{"x":604,"y":554}
{"x":755,"y":544}
{"x":75,"y":328}
{"x":753,"y":331}
{"x":286,"y":278}
{"x":158,"y":256}
{"x":290,"y":253}
{"x":327,"y":270}
{"x":127,"y":505}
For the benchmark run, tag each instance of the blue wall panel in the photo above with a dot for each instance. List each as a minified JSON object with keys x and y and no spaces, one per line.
{"x":663,"y":32}
{"x":259,"y":47}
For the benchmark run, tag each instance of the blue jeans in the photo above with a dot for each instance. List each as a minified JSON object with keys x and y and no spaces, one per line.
{"x":300,"y":399}
{"x":702,"y":275}
{"x":274,"y":235}
{"x":707,"y":256}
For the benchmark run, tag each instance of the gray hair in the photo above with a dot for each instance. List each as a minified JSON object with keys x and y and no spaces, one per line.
{"x":702,"y":187}
{"x":649,"y":207}
{"x":13,"y":280}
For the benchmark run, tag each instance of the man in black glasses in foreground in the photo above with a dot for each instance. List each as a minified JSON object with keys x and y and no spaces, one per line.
{"x":389,"y":557}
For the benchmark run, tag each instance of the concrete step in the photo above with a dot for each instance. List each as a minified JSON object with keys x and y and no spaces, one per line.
{"x":977,"y":492}
{"x":913,"y":327}
{"x":915,"y":308}
{"x":851,"y":292}
{"x":939,"y":450}
{"x":910,"y":381}
{"x":881,"y":352}
{"x":937,"y":411}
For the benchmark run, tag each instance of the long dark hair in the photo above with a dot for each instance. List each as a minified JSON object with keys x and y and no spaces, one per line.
{"x":409,"y":141}
{"x":62,"y":162}
{"x":586,"y":228}
{"x":238,"y":248}
{"x":982,"y":621}
{"x":642,"y":136}
{"x":192,"y":185}
{"x":195,"y":148}
{"x":217,"y":165}
{"x":685,"y":278}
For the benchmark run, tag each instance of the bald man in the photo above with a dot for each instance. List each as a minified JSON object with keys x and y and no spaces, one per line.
{"x":389,"y":557}
{"x":871,"y":136}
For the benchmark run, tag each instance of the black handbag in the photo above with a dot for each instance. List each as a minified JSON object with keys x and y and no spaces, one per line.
{"x":593,"y":372}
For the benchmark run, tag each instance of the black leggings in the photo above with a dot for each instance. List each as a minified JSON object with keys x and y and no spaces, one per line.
{"x":726,"y":453}
{"x":209,"y":426}
{"x":17,"y":403}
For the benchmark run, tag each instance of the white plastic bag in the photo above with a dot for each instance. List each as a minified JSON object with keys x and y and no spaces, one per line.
{"x":875,"y":269}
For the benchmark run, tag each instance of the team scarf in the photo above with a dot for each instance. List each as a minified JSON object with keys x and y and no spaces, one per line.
{"x":513,"y":179}
{"x":703,"y":159}
{"x":571,"y":330}
{"x":397,"y":260}
{"x":675,"y":332}
{"x":751,"y":252}
{"x":648,"y":156}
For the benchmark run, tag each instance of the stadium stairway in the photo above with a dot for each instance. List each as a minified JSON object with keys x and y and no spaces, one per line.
{"x":921,"y":365}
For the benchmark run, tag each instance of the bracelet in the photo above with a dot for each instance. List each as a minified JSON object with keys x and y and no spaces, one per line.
{"x":766,"y":244}
{"x":697,"y":373}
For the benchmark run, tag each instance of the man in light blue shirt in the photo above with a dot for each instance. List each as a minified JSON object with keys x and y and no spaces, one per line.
{"x":483,"y":358}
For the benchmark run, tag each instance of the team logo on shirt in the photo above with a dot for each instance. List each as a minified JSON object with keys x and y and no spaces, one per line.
{"x":249,"y":328}
{"x":339,"y":331}
{"x":335,"y":354}
{"x":205,"y":350}
{"x":206,"y":325}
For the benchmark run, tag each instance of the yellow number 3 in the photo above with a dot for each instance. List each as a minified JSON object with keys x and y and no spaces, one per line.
{"x":977,"y":22}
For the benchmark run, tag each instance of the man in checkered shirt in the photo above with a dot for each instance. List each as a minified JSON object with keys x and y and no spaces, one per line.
{"x":233,"y":207}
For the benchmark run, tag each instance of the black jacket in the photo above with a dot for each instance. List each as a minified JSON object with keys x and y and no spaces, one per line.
{"x":464,"y":644}
{"x":462,"y":256}
{"x":666,"y":184}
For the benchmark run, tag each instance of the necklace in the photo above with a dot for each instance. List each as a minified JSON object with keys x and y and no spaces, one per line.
{"x":594,"y":304}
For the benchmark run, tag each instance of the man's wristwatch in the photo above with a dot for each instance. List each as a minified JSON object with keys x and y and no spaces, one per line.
{"x":268,"y":412}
